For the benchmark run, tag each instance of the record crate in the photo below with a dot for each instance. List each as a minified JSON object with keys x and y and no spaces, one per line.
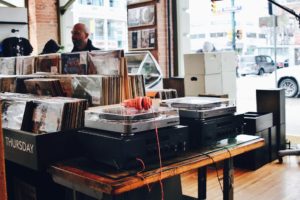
{"x":37,"y":151}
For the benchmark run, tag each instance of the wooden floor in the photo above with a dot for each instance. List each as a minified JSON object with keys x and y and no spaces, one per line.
{"x":273,"y":181}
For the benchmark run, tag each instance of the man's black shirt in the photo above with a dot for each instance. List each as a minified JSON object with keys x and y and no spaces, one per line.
{"x":89,"y":47}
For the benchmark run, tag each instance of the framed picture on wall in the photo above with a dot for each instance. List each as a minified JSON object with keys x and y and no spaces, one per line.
{"x":134,"y":39}
{"x":133,"y":17}
{"x":148,"y":38}
{"x":142,"y":39}
{"x":141,"y":16}
{"x":131,"y":2}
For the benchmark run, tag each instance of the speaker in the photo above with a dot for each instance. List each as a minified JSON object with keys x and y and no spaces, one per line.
{"x":272,"y":101}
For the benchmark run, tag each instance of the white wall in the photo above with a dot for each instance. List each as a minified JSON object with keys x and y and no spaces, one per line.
{"x":19,"y":15}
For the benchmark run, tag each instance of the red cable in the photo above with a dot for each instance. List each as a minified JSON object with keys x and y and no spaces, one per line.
{"x":140,"y":103}
{"x":160,"y":160}
{"x":139,"y":172}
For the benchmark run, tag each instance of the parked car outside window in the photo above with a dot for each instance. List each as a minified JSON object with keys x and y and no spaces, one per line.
{"x":289,"y":79}
{"x":258,"y":65}
{"x":282,"y":62}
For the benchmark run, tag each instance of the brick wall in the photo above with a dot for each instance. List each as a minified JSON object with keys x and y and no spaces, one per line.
{"x":43,"y":23}
{"x":162,"y":38}
{"x":162,"y":45}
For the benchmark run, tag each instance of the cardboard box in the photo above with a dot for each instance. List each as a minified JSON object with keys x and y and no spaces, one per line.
{"x":194,"y":85}
{"x":203,"y":63}
{"x":229,"y":84}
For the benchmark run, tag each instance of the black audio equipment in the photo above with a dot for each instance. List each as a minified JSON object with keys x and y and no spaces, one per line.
{"x":205,"y":132}
{"x":123,"y":151}
{"x":273,"y":100}
{"x":258,"y":124}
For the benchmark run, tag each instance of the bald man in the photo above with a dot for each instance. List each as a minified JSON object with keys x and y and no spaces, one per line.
{"x":80,"y":38}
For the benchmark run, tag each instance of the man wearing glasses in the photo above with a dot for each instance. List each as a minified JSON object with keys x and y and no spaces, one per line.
{"x":80,"y":38}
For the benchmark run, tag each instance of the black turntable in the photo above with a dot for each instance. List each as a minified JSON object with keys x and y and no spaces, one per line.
{"x":209,"y":119}
{"x":124,"y":137}
{"x":127,"y":151}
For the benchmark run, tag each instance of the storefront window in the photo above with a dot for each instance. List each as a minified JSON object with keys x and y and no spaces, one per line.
{"x":117,"y":3}
{"x":85,"y":21}
{"x":99,"y":29}
{"x":91,"y":2}
{"x":106,"y":20}
{"x":247,"y":27}
{"x":116,"y":30}
{"x":95,"y":26}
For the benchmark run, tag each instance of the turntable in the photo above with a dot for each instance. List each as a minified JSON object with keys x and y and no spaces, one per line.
{"x":116,"y":135}
{"x":201,"y":107}
{"x":119,"y":119}
{"x":209,"y":119}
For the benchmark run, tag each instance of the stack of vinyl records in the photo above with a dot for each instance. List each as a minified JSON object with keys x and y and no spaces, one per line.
{"x":136,"y":86}
{"x":111,"y":63}
{"x":44,"y":86}
{"x":41,"y":114}
{"x":105,"y":62}
{"x":20,"y":82}
{"x":74,"y":63}
{"x":13,"y":113}
{"x":48,"y":63}
{"x":162,"y":93}
{"x":7,"y":65}
{"x":84,"y":87}
{"x":25,"y":65}
{"x":111,"y":90}
{"x":97,"y":89}
{"x":7,"y":83}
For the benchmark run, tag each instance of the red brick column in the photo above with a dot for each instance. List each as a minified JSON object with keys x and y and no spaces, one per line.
{"x":43,"y":23}
{"x":162,"y":45}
